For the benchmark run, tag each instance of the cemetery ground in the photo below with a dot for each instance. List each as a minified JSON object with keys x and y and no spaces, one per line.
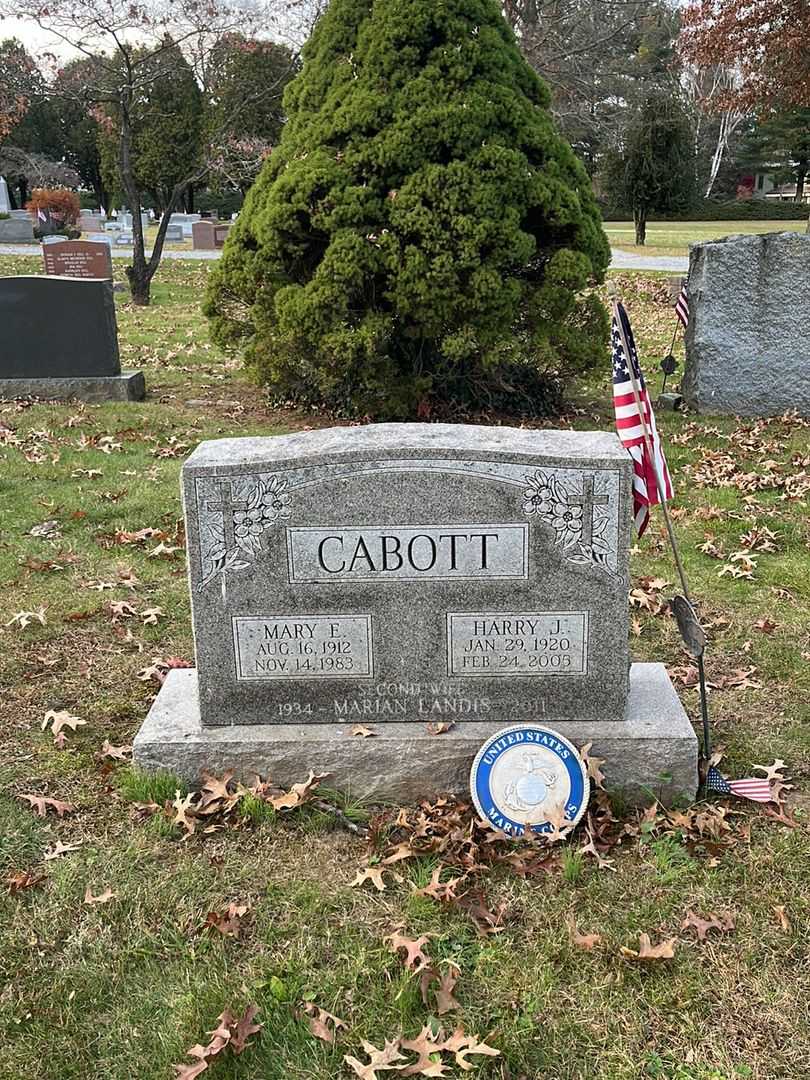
{"x":118,"y":948}
{"x":674,"y":237}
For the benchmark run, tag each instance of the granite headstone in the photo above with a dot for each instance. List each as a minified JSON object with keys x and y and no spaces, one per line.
{"x":407,"y":574}
{"x":59,"y":339}
{"x":748,"y":339}
{"x":78,"y":259}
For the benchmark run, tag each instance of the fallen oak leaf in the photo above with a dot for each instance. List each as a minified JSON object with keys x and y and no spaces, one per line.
{"x":425,"y":1046}
{"x":722,"y":923}
{"x":58,"y":850}
{"x":415,"y":959}
{"x":583,"y":941}
{"x":319,"y":1020}
{"x":379,"y":1060}
{"x":102,"y":898}
{"x":150,"y":616}
{"x":440,"y":728}
{"x":665,"y":950}
{"x":784,"y":921}
{"x":40,"y":804}
{"x":115,"y":753}
{"x":298,"y":793}
{"x":461,"y":1045}
{"x":363,"y":731}
{"x":445,"y":1000}
{"x":374,"y":874}
{"x":24,"y":618}
{"x":59,"y":720}
{"x":18,"y":880}
{"x":229,"y":921}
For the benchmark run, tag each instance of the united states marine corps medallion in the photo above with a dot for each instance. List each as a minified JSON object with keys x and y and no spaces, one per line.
{"x":525,"y":777}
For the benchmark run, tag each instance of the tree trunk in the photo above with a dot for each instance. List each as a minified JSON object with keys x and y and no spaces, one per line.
{"x":190,"y":198}
{"x":801,"y":176}
{"x":640,"y":222}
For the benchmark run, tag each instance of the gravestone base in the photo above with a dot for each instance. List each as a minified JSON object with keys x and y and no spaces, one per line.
{"x":653,"y":753}
{"x":128,"y":386}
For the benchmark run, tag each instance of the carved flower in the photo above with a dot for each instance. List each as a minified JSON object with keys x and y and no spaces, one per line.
{"x":538,"y":498}
{"x":567,"y":522}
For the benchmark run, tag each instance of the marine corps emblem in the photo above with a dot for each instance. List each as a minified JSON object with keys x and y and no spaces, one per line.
{"x":525,"y":777}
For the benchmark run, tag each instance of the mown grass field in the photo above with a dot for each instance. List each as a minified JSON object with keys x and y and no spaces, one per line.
{"x":674,"y":237}
{"x":122,"y":988}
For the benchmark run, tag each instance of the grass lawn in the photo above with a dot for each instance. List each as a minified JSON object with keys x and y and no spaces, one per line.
{"x":674,"y":237}
{"x":121,"y":989}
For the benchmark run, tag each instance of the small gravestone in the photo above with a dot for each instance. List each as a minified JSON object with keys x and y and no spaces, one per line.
{"x":90,"y":223}
{"x":59,"y":340}
{"x":748,"y":339}
{"x":174,"y":233}
{"x":202,"y":234}
{"x":17,"y":228}
{"x":221,"y":231}
{"x":404,"y":575}
{"x":186,"y":222}
{"x":78,"y":259}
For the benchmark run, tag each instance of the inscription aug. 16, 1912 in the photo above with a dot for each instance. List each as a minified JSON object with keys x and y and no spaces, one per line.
{"x":402,"y":572}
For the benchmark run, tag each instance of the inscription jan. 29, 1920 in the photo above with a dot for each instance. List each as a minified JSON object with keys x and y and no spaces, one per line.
{"x":303,"y":647}
{"x":494,"y":644}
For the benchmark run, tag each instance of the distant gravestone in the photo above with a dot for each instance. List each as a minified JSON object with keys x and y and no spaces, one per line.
{"x":59,"y":340}
{"x":100,"y":238}
{"x":185,"y":221}
{"x":89,"y":223}
{"x":5,"y":201}
{"x":399,"y":575}
{"x":748,"y":339}
{"x":221,"y":234}
{"x":78,"y":259}
{"x":202,"y":234}
{"x":174,"y":233}
{"x":17,"y":228}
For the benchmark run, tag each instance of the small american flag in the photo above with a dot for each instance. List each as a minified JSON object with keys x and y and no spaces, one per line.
{"x":682,"y":306}
{"x":631,"y":428}
{"x":753,"y":787}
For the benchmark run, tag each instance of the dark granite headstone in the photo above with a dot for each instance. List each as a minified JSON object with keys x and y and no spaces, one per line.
{"x":57,"y":328}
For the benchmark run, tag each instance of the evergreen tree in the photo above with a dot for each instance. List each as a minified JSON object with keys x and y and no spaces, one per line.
{"x":779,"y":143}
{"x":654,"y":172}
{"x":421,"y":234}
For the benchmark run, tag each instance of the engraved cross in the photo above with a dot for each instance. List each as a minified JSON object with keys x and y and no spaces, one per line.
{"x":587,"y":500}
{"x":226,"y":506}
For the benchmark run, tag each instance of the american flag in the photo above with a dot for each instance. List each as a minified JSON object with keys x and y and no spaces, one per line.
{"x":682,"y":306}
{"x":630,"y":427}
{"x":753,"y":787}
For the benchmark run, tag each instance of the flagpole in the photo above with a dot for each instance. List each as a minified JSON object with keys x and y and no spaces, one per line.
{"x":662,"y":498}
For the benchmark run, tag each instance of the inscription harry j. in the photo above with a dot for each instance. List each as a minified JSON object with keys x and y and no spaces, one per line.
{"x":496,"y":645}
{"x":304,"y":647}
{"x":394,"y":552}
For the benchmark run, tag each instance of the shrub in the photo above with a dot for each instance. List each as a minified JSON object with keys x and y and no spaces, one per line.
{"x":56,"y":210}
{"x":724,"y":210}
{"x":421,"y":235}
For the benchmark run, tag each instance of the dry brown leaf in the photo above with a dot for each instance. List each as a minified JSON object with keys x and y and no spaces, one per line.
{"x":18,"y":880}
{"x":415,"y":959}
{"x":425,"y":1046}
{"x":721,"y":923}
{"x":583,"y":941}
{"x":59,"y":849}
{"x":229,"y":921}
{"x":462,"y":1045}
{"x":323,"y":1025}
{"x":374,"y":874}
{"x":24,"y":618}
{"x":102,"y":898}
{"x":379,"y":1060}
{"x":231,"y":1031}
{"x":298,"y":793}
{"x":665,"y":950}
{"x":781,"y":915}
{"x":440,"y":728}
{"x":115,"y":753}
{"x":363,"y":731}
{"x":60,"y":720}
{"x":40,"y":804}
{"x":445,"y":1000}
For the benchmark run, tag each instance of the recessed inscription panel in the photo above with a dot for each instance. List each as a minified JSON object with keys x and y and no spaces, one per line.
{"x":497,"y":644}
{"x":383,"y":553}
{"x":303,"y":647}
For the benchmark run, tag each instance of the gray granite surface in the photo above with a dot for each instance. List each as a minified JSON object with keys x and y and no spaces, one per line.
{"x":748,"y":340}
{"x":652,"y":753}
{"x":409,"y":573}
{"x":127,"y":386}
